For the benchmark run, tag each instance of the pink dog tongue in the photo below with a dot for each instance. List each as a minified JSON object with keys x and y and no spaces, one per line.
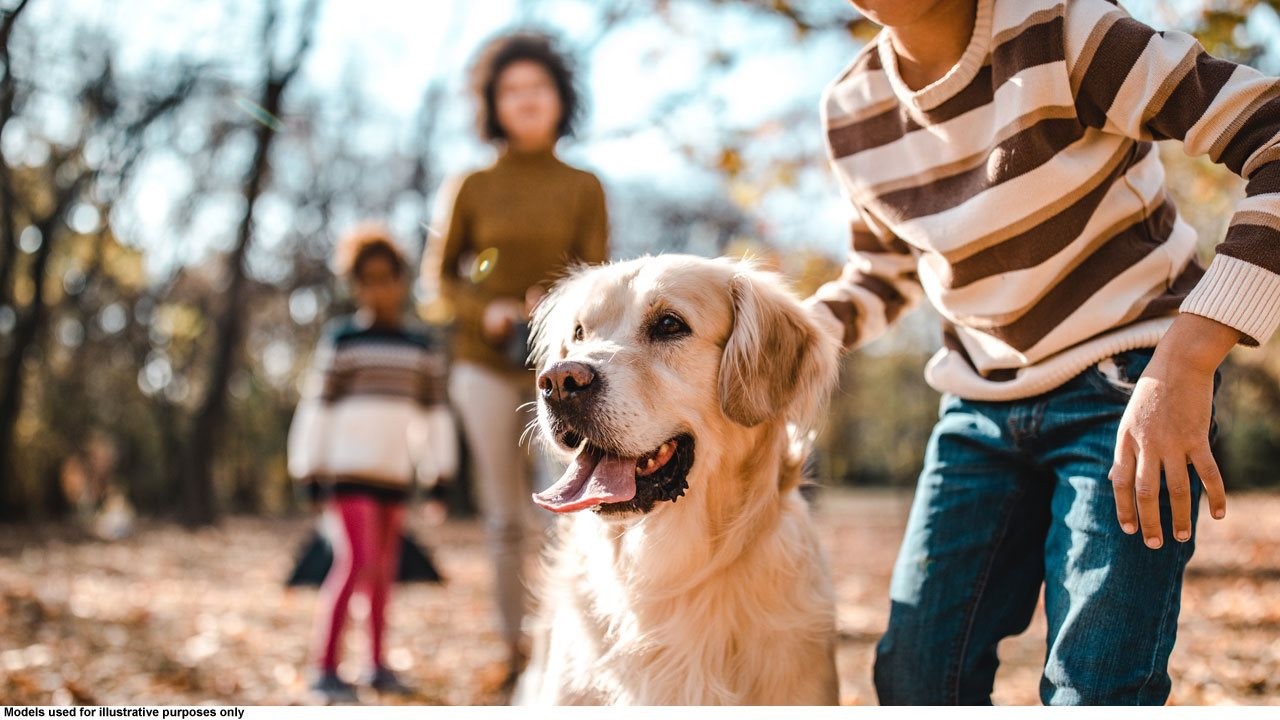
{"x":591,"y":480}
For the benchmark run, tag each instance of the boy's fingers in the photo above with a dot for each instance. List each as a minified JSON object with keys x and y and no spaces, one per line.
{"x":1211,"y":477}
{"x":1147,"y":492}
{"x":1179,"y":485}
{"x":1121,"y":475}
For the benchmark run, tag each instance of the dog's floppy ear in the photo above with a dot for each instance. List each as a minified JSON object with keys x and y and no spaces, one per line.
{"x":777,"y":361}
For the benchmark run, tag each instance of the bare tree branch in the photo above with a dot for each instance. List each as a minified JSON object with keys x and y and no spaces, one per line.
{"x":198,"y":505}
{"x":9,"y":17}
{"x":310,"y":13}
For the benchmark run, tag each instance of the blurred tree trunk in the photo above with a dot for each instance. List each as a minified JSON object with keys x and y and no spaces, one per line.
{"x":9,"y":500}
{"x":197,"y":490}
{"x":8,"y":215}
{"x":25,"y":332}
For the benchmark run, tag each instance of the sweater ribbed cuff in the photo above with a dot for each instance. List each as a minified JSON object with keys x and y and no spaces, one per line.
{"x":1238,"y":294}
{"x":837,"y":319}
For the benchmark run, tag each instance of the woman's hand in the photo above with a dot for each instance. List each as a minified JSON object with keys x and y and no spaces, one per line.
{"x":499,"y":316}
{"x":532,"y":297}
{"x":1166,"y":426}
{"x":434,"y":512}
{"x":435,"y":508}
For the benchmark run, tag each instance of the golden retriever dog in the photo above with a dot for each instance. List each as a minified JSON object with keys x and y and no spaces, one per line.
{"x":686,"y":568}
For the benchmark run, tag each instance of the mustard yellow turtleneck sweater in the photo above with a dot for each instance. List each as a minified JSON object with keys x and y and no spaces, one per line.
{"x":513,"y":225}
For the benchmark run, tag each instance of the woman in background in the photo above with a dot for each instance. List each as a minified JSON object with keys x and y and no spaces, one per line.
{"x":372,"y":418}
{"x":508,"y":231}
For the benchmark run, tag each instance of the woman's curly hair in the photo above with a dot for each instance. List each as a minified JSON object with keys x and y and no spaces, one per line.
{"x":506,"y":49}
{"x":363,"y":242}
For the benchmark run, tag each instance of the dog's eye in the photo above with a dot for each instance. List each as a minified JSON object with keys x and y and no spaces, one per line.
{"x":668,"y":326}
{"x":577,"y":333}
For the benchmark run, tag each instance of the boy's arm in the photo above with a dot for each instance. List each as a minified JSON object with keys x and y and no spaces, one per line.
{"x":1166,"y":426}
{"x":1130,"y":79}
{"x":876,"y":287}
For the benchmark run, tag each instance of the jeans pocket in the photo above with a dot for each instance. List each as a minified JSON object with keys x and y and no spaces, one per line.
{"x":1118,"y":375}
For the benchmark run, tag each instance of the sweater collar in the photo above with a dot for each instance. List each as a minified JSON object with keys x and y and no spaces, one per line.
{"x":960,"y":75}
{"x":364,"y":320}
{"x":512,"y":156}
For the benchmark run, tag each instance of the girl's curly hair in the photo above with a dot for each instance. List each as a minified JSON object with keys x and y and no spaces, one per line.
{"x":363,"y":242}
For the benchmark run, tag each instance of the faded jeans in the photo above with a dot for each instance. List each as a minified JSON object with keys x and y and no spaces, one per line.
{"x":1014,"y":496}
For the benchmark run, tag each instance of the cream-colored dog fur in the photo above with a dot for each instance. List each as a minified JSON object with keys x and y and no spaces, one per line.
{"x":724,"y":596}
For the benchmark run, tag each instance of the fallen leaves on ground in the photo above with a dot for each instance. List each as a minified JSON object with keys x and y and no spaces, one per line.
{"x":175,"y":617}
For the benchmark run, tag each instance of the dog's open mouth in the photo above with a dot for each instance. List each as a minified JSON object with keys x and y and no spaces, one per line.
{"x":610,"y":483}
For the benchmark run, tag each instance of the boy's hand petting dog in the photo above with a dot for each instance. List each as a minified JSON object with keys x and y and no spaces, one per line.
{"x":1166,"y":425}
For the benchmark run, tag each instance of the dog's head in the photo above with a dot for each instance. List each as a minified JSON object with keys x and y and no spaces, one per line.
{"x":646,"y":366}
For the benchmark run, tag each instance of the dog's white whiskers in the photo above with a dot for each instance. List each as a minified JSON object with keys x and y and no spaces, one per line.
{"x":529,"y":429}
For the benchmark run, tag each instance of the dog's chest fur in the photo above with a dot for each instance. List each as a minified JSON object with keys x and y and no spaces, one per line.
{"x":630,"y":622}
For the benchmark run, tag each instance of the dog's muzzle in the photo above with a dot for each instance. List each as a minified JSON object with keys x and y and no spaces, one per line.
{"x":569,"y":387}
{"x":601,"y":478}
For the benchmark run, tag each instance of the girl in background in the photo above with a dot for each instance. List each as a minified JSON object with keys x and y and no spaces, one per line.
{"x":372,"y":418}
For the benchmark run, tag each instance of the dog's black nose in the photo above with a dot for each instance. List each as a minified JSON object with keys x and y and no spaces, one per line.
{"x":567,"y":380}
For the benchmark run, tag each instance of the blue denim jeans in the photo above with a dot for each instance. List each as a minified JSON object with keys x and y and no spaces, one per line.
{"x":1015,"y":495}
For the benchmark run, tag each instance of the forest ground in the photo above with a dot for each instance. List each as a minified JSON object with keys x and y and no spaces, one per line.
{"x":175,"y":617}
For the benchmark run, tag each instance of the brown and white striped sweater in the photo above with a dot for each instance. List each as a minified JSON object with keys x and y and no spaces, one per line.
{"x":1022,"y":195}
{"x":373,"y":416}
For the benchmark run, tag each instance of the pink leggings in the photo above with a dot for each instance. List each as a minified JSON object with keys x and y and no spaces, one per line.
{"x":366,"y":557}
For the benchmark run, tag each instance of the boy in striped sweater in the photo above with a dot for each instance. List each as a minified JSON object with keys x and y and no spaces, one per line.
{"x":998,"y":156}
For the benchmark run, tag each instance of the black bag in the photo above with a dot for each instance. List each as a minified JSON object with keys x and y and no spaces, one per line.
{"x":316,"y":557}
{"x":516,"y":346}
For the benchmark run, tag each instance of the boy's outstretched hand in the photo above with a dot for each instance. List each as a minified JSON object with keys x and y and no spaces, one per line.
{"x":1166,"y":426}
